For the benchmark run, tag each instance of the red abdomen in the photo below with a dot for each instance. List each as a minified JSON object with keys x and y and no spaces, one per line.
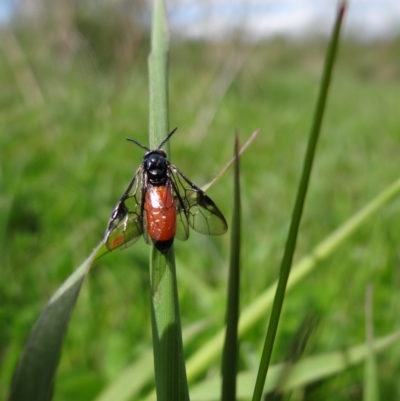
{"x":160,"y":214}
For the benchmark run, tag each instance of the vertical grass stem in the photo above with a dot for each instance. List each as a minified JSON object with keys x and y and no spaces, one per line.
{"x":169,"y":366}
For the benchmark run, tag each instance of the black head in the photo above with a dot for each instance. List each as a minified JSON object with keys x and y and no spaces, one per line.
{"x":155,"y":161}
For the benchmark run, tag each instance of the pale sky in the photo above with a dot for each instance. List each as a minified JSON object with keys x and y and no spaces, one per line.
{"x":367,"y":19}
{"x":259,"y":18}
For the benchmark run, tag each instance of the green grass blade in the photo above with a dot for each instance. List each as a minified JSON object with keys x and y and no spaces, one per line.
{"x":34,"y":377}
{"x":169,"y":364}
{"x":298,"y":210}
{"x":230,"y":352}
{"x":256,"y":311}
{"x":307,"y":371}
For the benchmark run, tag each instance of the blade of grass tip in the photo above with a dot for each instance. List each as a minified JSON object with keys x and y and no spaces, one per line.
{"x":169,"y":365}
{"x":223,"y":171}
{"x":230,"y":352}
{"x":298,"y":210}
{"x":371,"y":388}
{"x":34,"y":377}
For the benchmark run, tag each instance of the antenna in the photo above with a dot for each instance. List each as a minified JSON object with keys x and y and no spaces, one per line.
{"x":138,"y":144}
{"x":167,"y":138}
{"x":146,"y":148}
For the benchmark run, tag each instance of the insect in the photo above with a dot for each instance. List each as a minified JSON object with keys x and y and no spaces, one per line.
{"x":161,"y":203}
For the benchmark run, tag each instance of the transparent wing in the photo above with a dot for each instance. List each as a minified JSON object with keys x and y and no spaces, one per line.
{"x":126,"y":224}
{"x":195,"y":208}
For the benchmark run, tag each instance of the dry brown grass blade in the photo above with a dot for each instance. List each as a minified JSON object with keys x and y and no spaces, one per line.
{"x":223,"y":171}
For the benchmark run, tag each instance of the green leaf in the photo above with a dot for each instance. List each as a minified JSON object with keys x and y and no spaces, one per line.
{"x":34,"y":377}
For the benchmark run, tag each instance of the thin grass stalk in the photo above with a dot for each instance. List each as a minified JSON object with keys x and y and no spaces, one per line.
{"x":230,"y":352}
{"x":158,"y":77}
{"x":298,"y":210}
{"x":169,"y":366}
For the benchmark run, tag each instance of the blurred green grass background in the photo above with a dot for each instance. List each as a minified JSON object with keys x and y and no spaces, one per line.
{"x":67,"y":105}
